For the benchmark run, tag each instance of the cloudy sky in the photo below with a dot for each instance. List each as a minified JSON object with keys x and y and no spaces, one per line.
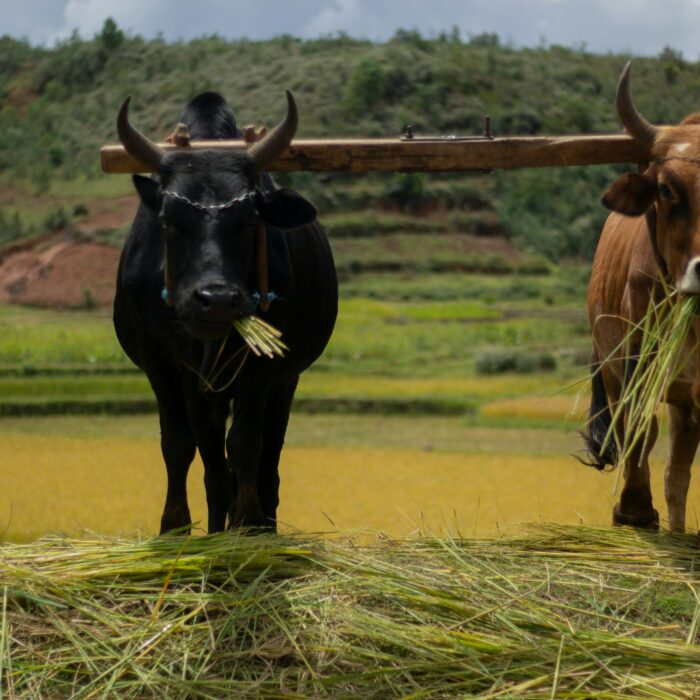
{"x":634,"y":26}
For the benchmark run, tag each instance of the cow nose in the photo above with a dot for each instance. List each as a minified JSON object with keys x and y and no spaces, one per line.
{"x":216,"y":300}
{"x":695,"y":266}
{"x":690,"y":281}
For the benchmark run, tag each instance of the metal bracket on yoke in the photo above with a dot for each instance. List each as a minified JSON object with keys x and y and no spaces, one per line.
{"x":408,"y":134}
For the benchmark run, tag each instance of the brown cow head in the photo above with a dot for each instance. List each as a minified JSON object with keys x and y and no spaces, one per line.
{"x":669,"y":190}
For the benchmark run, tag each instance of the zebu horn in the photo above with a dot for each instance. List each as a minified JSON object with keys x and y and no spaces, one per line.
{"x":135,"y":143}
{"x":276,"y":141}
{"x":637,"y":126}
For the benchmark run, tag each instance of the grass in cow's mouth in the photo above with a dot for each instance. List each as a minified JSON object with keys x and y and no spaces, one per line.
{"x":260,"y":336}
{"x":662,"y":357}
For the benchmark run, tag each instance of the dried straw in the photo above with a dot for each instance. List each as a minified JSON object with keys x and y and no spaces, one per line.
{"x":260,"y":336}
{"x":559,"y":612}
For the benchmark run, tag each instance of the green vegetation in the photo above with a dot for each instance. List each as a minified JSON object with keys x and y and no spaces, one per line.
{"x":431,"y":287}
{"x":514,"y":361}
{"x":556,"y":612}
{"x":385,"y":356}
{"x":31,"y":339}
{"x":57,"y":106}
{"x":404,"y":339}
{"x":461,"y":322}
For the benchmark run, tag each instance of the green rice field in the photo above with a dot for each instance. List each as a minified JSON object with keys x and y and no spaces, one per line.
{"x":445,"y":440}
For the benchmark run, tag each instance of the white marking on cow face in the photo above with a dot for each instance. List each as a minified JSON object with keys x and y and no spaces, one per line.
{"x":679,"y":148}
{"x":689,"y":283}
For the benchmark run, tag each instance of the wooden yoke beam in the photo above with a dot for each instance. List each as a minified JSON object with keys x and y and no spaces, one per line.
{"x":422,"y":154}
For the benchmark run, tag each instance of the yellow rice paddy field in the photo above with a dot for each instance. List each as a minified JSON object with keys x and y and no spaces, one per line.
{"x":106,"y":475}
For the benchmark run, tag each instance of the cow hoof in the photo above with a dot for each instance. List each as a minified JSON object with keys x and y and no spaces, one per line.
{"x":177,"y":521}
{"x":645,"y":521}
{"x":170,"y":529}
{"x":256,"y":521}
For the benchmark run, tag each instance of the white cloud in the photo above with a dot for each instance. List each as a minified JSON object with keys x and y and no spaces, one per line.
{"x":33,"y":20}
{"x":144,"y":16}
{"x":639,"y":26}
{"x":350,"y":16}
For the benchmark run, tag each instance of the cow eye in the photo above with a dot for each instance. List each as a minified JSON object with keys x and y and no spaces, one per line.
{"x":665,"y":192}
{"x":166,"y":226}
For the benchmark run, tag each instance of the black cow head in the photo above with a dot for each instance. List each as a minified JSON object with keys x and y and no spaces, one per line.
{"x":209,"y":206}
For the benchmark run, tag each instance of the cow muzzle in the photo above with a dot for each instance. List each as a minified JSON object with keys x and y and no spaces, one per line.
{"x":689,"y":283}
{"x":211,"y":310}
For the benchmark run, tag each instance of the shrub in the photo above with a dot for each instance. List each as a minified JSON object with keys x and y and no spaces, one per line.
{"x":406,"y":190}
{"x":554,"y":212}
{"x":513,"y":361}
{"x":11,"y":228}
{"x":56,"y":220}
{"x":522,"y":289}
{"x":111,"y":37}
{"x":89,"y":301}
{"x":366,"y":87}
{"x":519,"y":121}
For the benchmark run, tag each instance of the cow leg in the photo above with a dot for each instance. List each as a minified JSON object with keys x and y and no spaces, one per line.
{"x":178,"y":446}
{"x":209,"y":426}
{"x":684,"y":429}
{"x":276,"y":419}
{"x":244,"y":445}
{"x":635,"y":506}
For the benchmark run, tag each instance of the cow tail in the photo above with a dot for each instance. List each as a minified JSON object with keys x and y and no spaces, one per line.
{"x":600,"y":454}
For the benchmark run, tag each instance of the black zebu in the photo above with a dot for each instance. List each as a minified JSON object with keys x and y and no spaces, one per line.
{"x":188,"y":269}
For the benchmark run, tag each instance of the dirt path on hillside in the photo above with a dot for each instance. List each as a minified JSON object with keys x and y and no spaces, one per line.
{"x":65,"y":268}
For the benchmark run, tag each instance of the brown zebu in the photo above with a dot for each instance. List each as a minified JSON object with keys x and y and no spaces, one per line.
{"x":652,"y":235}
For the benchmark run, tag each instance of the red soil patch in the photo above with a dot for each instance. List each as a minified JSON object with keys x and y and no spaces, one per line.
{"x":56,"y":270}
{"x":64,"y":274}
{"x":106,"y":214}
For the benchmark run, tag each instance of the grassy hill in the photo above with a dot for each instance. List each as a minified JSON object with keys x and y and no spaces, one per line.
{"x":443,"y":239}
{"x":57,"y":106}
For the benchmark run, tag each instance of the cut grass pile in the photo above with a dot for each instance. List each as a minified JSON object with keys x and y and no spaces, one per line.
{"x":559,"y":612}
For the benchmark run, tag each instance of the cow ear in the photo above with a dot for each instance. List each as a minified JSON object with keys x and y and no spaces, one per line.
{"x":149,"y":191}
{"x":631,"y":194}
{"x":284,"y":208}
